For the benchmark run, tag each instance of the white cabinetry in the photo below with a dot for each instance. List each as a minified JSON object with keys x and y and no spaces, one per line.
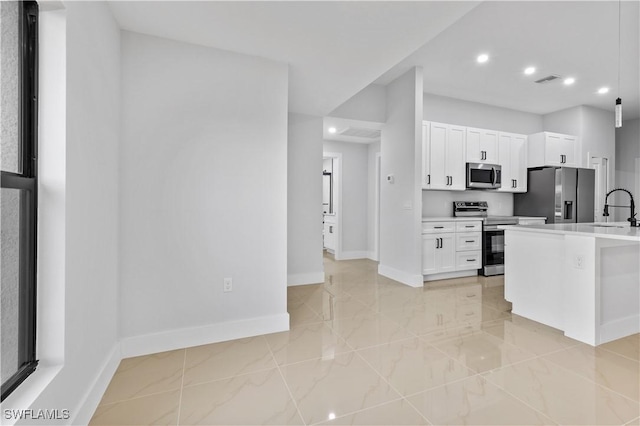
{"x":513,"y":159}
{"x":553,"y":149}
{"x":450,"y":247}
{"x":482,"y":146}
{"x":330,"y":232}
{"x":443,"y":165}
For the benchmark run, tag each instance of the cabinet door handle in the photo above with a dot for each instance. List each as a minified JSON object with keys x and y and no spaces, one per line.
{"x":428,"y":179}
{"x":331,"y":229}
{"x":441,"y":243}
{"x":437,"y":243}
{"x":515,"y":183}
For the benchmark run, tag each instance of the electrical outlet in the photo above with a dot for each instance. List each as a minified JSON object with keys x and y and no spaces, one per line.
{"x":578,"y":262}
{"x":228,"y":285}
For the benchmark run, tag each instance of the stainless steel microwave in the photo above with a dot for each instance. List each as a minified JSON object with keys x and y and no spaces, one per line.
{"x":484,"y":176}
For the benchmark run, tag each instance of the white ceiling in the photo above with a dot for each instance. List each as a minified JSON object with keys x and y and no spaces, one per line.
{"x":567,"y":38}
{"x":336,"y":48}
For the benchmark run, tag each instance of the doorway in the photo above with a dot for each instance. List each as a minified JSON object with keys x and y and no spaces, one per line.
{"x":331,"y":203}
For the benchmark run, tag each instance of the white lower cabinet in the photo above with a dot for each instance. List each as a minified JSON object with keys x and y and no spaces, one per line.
{"x":451,"y":246}
{"x":438,"y":253}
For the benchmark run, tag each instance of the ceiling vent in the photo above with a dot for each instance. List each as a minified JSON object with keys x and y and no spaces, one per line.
{"x":548,"y":79}
{"x":360,"y":132}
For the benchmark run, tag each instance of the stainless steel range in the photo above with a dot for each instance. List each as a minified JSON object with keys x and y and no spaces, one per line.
{"x":492,"y":237}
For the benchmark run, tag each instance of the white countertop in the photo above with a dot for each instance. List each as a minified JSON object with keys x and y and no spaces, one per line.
{"x":611,"y":230}
{"x":457,"y":219}
{"x":450,"y":219}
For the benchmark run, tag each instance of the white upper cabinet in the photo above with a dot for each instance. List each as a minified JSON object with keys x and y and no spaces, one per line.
{"x":553,"y":149}
{"x":482,"y":146}
{"x":443,"y":162}
{"x":513,"y":159}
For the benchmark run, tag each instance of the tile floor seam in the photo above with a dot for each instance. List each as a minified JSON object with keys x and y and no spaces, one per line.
{"x":120,"y":401}
{"x":184,"y":365}
{"x":567,"y":370}
{"x":548,"y":416}
{"x":618,"y":353}
{"x":357,"y":411}
{"x":631,"y":421}
{"x":590,"y":380}
{"x":190,"y":385}
{"x":286,"y":385}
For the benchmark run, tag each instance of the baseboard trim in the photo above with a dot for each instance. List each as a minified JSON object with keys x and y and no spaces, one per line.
{"x":304,"y":279}
{"x":400,"y":276}
{"x":372,"y":256}
{"x":449,"y":275}
{"x":92,"y":398}
{"x":195,"y":336}
{"x":353,"y":254}
{"x":618,"y":329}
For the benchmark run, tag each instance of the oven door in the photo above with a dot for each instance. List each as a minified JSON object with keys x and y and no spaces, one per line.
{"x":492,"y":250}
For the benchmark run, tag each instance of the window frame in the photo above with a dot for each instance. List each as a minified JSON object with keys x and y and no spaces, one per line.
{"x":26,"y":181}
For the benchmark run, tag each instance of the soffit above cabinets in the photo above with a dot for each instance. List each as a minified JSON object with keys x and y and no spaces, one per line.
{"x":347,"y":130}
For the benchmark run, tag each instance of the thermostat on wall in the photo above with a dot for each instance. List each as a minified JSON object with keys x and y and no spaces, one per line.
{"x":390,"y":178}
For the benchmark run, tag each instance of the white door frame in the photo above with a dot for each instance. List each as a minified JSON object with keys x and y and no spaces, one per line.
{"x":376,"y":210}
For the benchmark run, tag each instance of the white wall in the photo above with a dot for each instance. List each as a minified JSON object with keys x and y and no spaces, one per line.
{"x":628,"y":164}
{"x":369,"y":104}
{"x":304,"y":191}
{"x":353,"y":211}
{"x":401,"y":202}
{"x":203,"y":184}
{"x":567,"y":121}
{"x":464,"y":113}
{"x":87,"y":236}
{"x":440,"y":203}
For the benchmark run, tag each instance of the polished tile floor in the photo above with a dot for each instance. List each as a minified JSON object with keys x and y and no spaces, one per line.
{"x":363,"y":349}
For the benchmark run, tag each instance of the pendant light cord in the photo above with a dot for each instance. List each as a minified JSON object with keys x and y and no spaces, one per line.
{"x":619,"y":42}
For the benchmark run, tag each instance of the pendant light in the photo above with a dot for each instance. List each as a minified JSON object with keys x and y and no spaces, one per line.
{"x":618,"y":108}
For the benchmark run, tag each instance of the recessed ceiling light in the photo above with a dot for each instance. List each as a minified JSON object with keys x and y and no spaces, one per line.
{"x":569,"y":80}
{"x":603,"y":90}
{"x":483,"y":58}
{"x":530,"y":70}
{"x":332,"y":130}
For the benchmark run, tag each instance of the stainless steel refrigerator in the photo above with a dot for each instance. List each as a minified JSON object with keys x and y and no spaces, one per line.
{"x":561,"y":194}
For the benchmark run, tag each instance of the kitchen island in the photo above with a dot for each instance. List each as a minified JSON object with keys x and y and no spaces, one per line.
{"x":583,"y":279}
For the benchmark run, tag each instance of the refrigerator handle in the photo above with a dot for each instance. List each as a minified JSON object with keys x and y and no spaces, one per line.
{"x":568,"y":210}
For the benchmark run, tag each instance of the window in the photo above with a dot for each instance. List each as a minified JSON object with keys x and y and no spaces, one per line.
{"x":18,"y":193}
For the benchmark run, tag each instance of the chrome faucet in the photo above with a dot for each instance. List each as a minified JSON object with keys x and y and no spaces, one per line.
{"x":632,"y":206}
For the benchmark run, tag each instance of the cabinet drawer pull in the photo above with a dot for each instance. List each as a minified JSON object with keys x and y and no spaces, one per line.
{"x":469,"y":226}
{"x":470,"y":260}
{"x":469,"y":241}
{"x":438,"y":227}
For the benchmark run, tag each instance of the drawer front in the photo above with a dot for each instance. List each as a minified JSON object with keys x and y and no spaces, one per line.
{"x":466,"y":260}
{"x":438,"y":227}
{"x":468,"y":241}
{"x":469,"y":226}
